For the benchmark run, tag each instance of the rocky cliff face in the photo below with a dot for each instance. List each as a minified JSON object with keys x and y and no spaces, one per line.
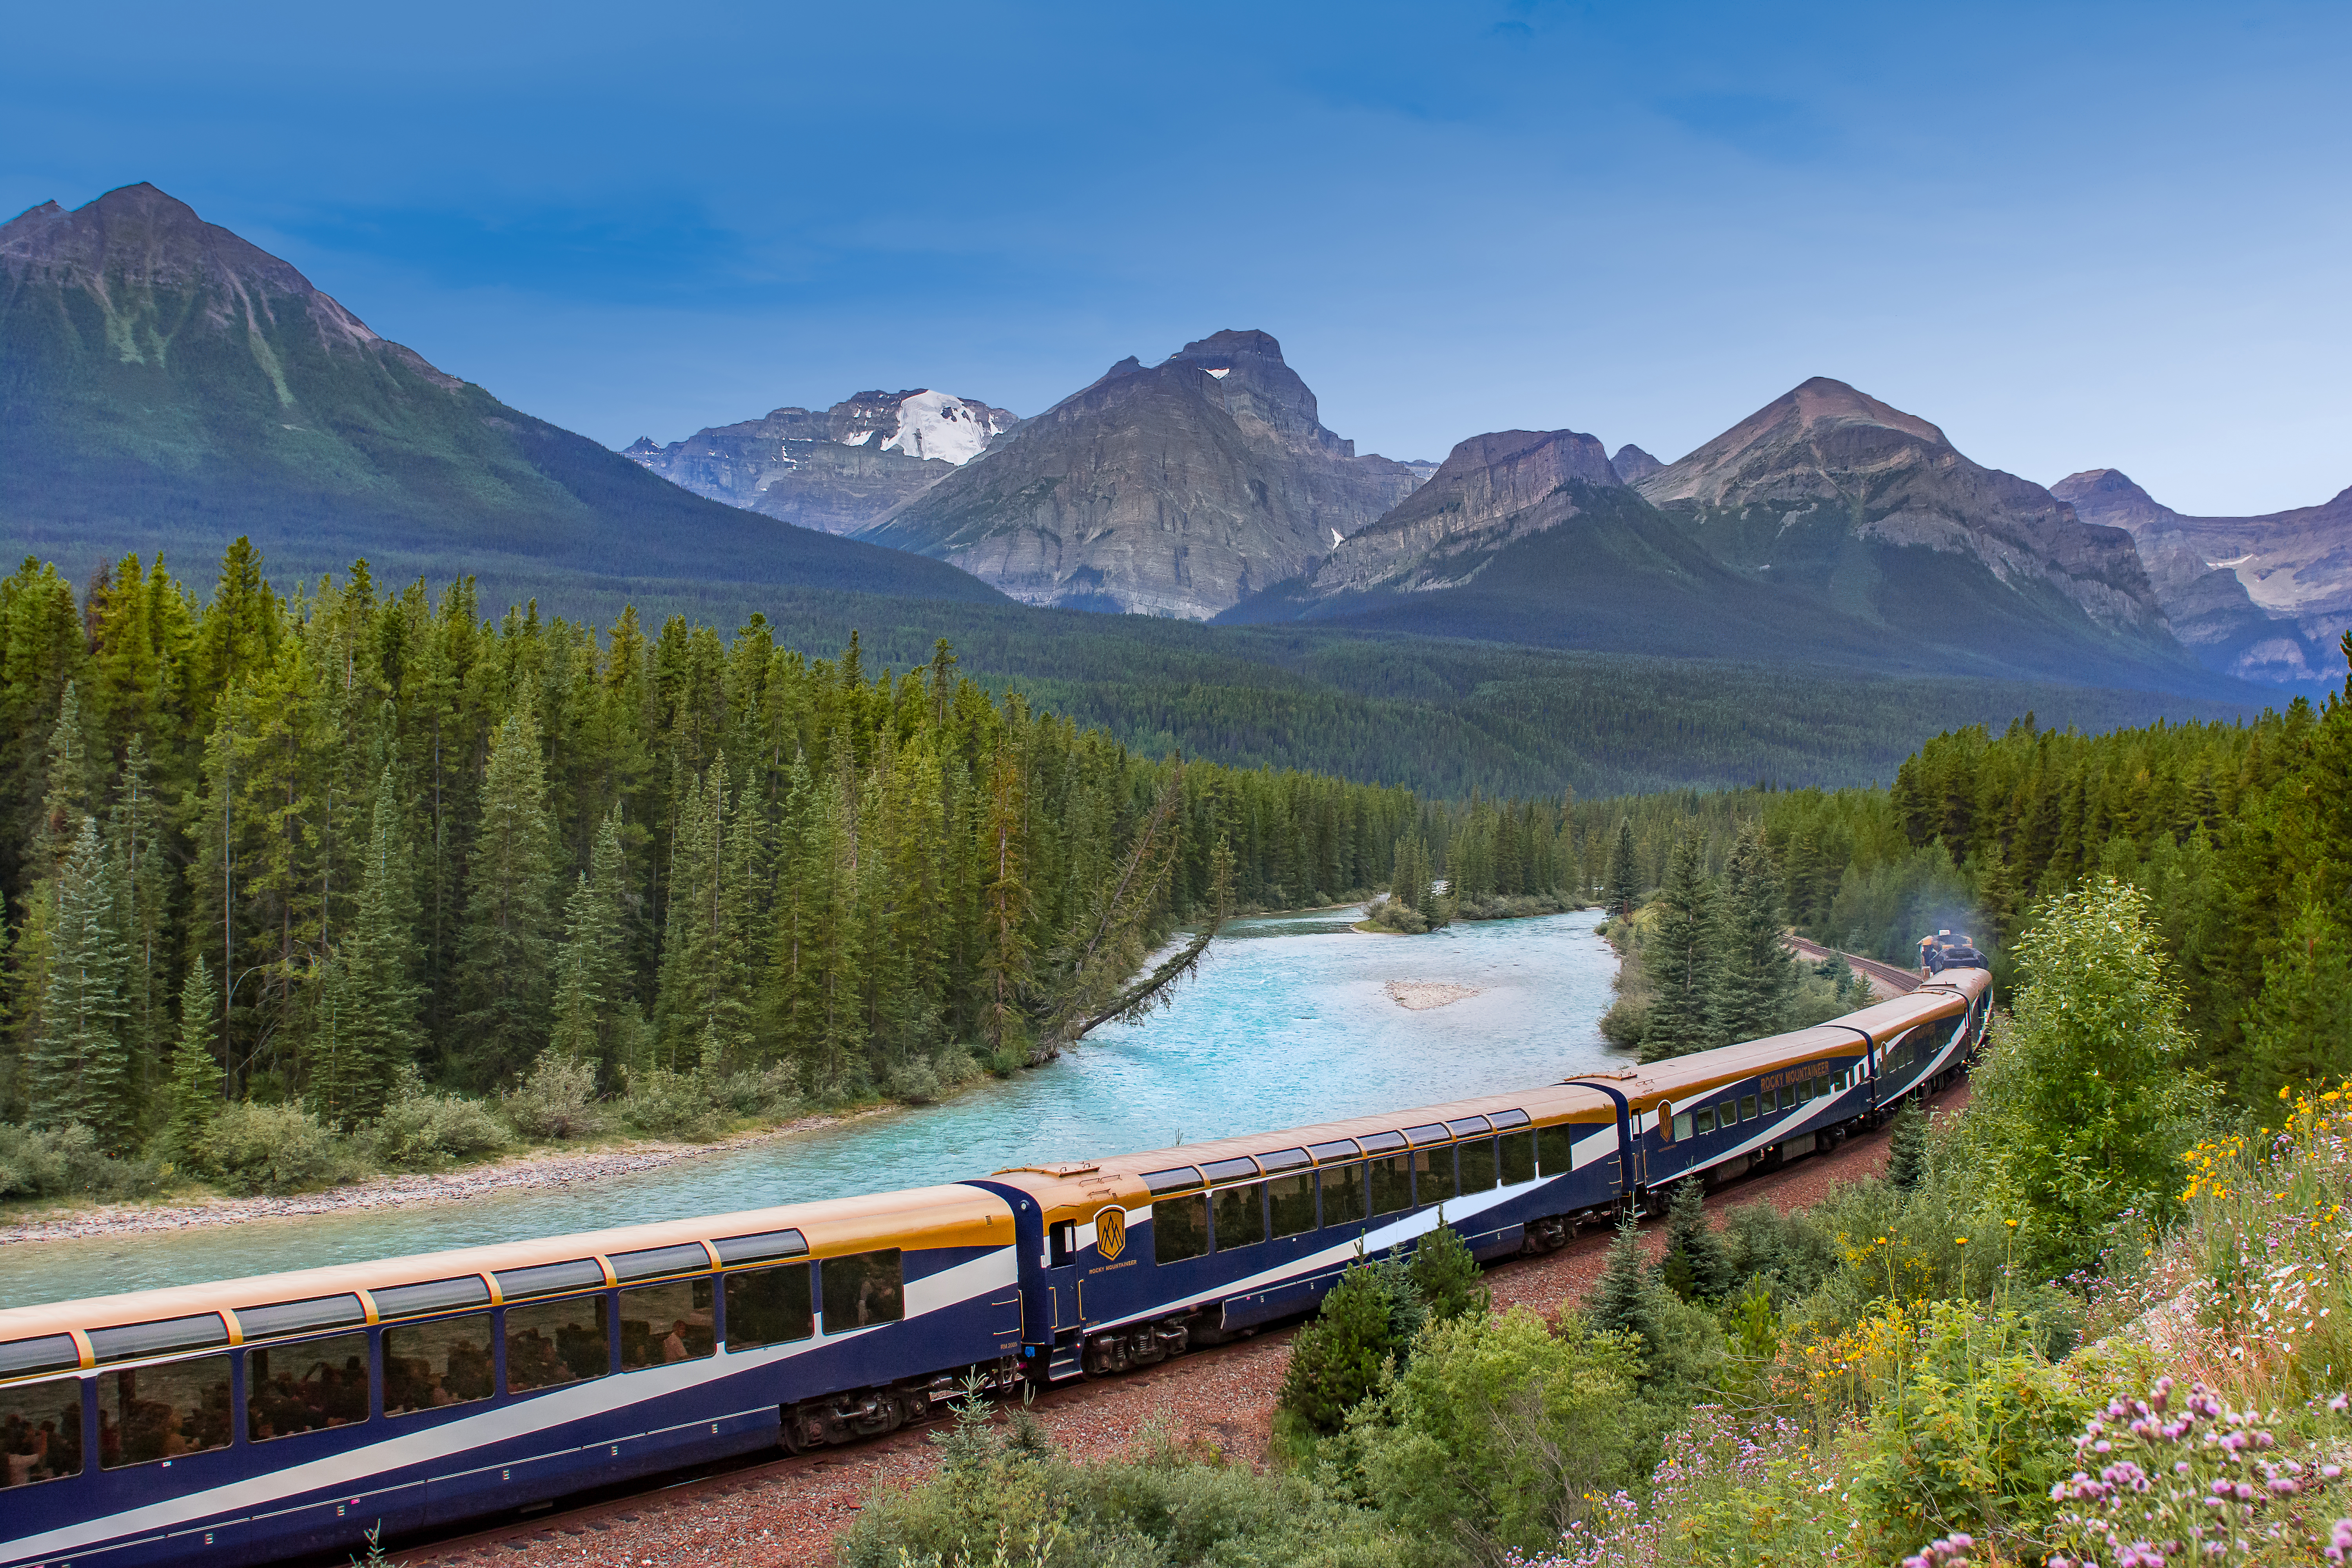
{"x":1491,"y":491}
{"x":168,"y":385}
{"x":1820,"y":485}
{"x":1179,"y":489}
{"x":2264,"y":598}
{"x":837,"y":471}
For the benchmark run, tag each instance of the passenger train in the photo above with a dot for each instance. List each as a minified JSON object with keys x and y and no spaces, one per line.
{"x":288,"y":1414}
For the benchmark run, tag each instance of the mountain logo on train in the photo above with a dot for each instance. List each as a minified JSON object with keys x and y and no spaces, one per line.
{"x":1110,"y":1232}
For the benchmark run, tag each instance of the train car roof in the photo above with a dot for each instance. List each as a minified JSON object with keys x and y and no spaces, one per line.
{"x":957,"y":1215}
{"x":1084,"y":1186}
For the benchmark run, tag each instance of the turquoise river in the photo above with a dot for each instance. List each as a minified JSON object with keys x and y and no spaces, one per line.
{"x":1289,"y":1021}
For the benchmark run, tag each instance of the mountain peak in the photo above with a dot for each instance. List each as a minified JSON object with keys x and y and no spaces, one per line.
{"x":1822,"y":400}
{"x":1632,"y":464}
{"x":1229,"y":344}
{"x":2100,"y":483}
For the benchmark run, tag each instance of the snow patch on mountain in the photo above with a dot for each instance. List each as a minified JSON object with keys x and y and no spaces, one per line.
{"x":934,"y":425}
{"x":859,"y":439}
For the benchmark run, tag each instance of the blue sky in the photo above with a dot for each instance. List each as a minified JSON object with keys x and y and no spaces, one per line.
{"x":2074,"y":235}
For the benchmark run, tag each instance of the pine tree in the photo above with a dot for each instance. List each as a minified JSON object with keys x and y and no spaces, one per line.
{"x":1336,"y":1359}
{"x":1625,"y":1299}
{"x":1752,"y":978}
{"x":65,"y":805}
{"x":1447,"y":1277}
{"x":80,"y":1063}
{"x":1697,"y":1266}
{"x":2299,"y":1029}
{"x":1679,"y":958}
{"x":192,"y":1094}
{"x":504,"y":974}
{"x":1907,"y":1148}
{"x":1625,"y":871}
{"x":138,"y":836}
{"x":1006,"y":944}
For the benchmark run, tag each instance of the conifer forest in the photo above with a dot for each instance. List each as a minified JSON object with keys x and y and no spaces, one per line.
{"x":305,"y":847}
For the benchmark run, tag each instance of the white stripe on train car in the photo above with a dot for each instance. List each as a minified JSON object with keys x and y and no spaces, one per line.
{"x":501,"y":1423}
{"x":1405,"y":1228}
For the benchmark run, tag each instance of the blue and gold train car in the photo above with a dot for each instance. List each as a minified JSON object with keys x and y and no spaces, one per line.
{"x":267,"y":1417}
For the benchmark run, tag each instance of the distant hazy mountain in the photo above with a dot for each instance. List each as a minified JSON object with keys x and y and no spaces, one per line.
{"x":1176,"y":491}
{"x":165,"y":385}
{"x":2264,"y":598}
{"x":837,"y":471}
{"x":1827,"y":527}
{"x":1634,"y":465}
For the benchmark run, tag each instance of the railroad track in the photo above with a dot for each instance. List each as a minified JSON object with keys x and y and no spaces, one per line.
{"x":1899,"y":978}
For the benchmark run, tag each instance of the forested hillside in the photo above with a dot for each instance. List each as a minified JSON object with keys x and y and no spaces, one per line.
{"x":309,"y":841}
{"x":2241,"y":833}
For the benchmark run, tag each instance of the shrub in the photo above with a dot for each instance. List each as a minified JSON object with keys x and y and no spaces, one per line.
{"x":251,"y":1147}
{"x":762,"y":1094}
{"x":1446,"y":1276}
{"x":1397,"y":915}
{"x":66,"y":1161}
{"x":665,"y":1104}
{"x":420,"y":1130}
{"x":557,"y":1099}
{"x":1500,"y":1430}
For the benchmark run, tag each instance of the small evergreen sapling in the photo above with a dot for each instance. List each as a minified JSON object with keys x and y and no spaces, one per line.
{"x":1336,"y":1359}
{"x":1907,"y":1148}
{"x":1446,"y":1276}
{"x":1697,"y":1266}
{"x":1624,"y":1301}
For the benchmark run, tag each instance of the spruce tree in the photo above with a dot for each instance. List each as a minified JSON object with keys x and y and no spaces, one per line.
{"x":1624,"y":1301}
{"x":1907,"y":1148}
{"x":1625,"y":871}
{"x":1697,"y":1266}
{"x":1336,"y":1359}
{"x":1679,"y":958}
{"x":1447,"y":1277}
{"x":64,"y":804}
{"x":2299,"y":1029}
{"x":368,"y":1026}
{"x":504,"y":969}
{"x":1752,"y":978}
{"x":1005,"y":945}
{"x":136,"y":835}
{"x":592,"y":993}
{"x":80,"y":1062}
{"x":192,"y":1095}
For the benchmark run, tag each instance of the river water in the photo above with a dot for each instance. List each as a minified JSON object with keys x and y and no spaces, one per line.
{"x":1288,"y":1022}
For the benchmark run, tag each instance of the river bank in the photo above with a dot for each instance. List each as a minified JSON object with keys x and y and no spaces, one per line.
{"x":538,"y":1170}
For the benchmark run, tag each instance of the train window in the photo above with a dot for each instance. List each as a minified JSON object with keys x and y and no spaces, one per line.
{"x":131,"y":1339}
{"x":654,"y":1261}
{"x":1290,"y":1201}
{"x":550,"y":1343}
{"x":1747,"y":1107}
{"x":548,"y":1278}
{"x":1435,"y":1133}
{"x":862,"y":1289}
{"x":1478,"y":1165}
{"x":1381,"y":1142}
{"x":51,"y":1352}
{"x":1703,"y":1120}
{"x":667,"y":1323}
{"x":1180,"y":1228}
{"x":1343,"y":1195}
{"x":1231,"y":1170}
{"x":433,"y":1296}
{"x":1433,"y":1177}
{"x":1556,"y":1149}
{"x":1683,"y":1124}
{"x":40,"y":1431}
{"x":300,"y":1317}
{"x":1821,"y":1086}
{"x":1284,"y":1160}
{"x":1182,"y":1178}
{"x":161,"y":1412}
{"x":305,"y":1387}
{"x":1518,"y":1157}
{"x":428,"y":1367}
{"x":764,"y":1306}
{"x":1345,"y":1149}
{"x":1391,"y":1183}
{"x":760,"y":1249}
{"x":1239,"y":1215}
{"x":1469,"y":1127}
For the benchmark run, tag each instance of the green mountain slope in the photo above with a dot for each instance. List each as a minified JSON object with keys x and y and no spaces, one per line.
{"x":165,"y":385}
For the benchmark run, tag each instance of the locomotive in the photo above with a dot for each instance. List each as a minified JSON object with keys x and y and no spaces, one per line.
{"x":287,"y":1415}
